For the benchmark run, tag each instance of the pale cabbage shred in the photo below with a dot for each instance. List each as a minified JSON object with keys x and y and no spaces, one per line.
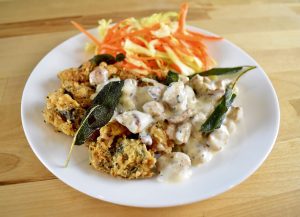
{"x":188,"y":64}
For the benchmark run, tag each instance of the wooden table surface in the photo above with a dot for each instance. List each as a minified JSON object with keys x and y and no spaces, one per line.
{"x":268,"y":30}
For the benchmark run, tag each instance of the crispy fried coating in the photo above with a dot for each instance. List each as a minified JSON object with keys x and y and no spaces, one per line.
{"x":80,"y":74}
{"x":132,"y":160}
{"x":80,"y":92}
{"x":63,"y":112}
{"x":161,"y":142}
{"x":113,"y":151}
{"x":76,"y":82}
{"x":122,"y":74}
{"x":117,"y":155}
{"x":111,"y":69}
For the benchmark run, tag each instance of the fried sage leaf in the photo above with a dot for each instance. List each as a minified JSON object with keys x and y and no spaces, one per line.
{"x":171,"y":77}
{"x":120,"y":57}
{"x":98,"y":116}
{"x":215,"y":120}
{"x":109,"y":59}
{"x":99,"y":113}
{"x":220,"y":71}
{"x":109,"y":94}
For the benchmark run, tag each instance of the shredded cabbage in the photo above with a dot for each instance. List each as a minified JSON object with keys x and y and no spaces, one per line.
{"x":159,"y":44}
{"x":165,"y":18}
{"x":103,"y":27}
{"x":184,"y":68}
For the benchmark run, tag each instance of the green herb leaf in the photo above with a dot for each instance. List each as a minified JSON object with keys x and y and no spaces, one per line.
{"x":215,"y":120}
{"x":109,"y":95}
{"x":120,"y":57}
{"x":99,"y":113}
{"x":109,"y":59}
{"x":98,"y":116}
{"x":171,"y":77}
{"x":220,"y":71}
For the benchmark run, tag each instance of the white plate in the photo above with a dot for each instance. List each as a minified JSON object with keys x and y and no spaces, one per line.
{"x":246,"y":151}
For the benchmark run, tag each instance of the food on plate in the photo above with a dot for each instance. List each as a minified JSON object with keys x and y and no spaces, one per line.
{"x":153,"y":45}
{"x":149,"y":103}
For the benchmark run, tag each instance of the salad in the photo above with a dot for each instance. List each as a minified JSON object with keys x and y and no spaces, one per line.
{"x":149,"y":103}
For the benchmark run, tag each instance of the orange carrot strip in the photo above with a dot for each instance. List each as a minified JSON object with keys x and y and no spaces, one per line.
{"x":151,"y":64}
{"x":182,"y":17}
{"x":202,"y":54}
{"x":187,"y":51}
{"x":147,"y":58}
{"x":202,"y":36}
{"x":144,"y":31}
{"x":159,"y":47}
{"x":117,"y":35}
{"x":186,"y":37}
{"x":174,"y":66}
{"x":157,"y":72}
{"x":137,"y":41}
{"x":177,"y":48}
{"x":131,"y":66}
{"x":89,"y":35}
{"x":111,"y":32}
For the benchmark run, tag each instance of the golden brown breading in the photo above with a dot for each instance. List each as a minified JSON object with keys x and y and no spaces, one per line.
{"x":114,"y":154}
{"x":81,"y":92}
{"x":63,"y":112}
{"x":76,"y":82}
{"x":100,"y":155}
{"x":122,"y":74}
{"x":161,"y":142}
{"x":80,"y":74}
{"x":132,"y":160}
{"x":111,"y":69}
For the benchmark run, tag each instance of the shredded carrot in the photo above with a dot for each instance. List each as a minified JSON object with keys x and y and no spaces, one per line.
{"x":176,"y":47}
{"x":182,"y":17}
{"x":202,"y":36}
{"x":158,"y":73}
{"x":141,"y":32}
{"x":147,"y":58}
{"x":175,"y":67}
{"x":132,"y":66}
{"x":89,"y":35}
{"x":151,"y":64}
{"x":137,"y":41}
{"x":186,"y":37}
{"x":112,"y":31}
{"x":144,"y":31}
{"x":184,"y":43}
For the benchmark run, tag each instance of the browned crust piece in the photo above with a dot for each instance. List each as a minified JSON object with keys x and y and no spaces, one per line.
{"x":63,"y":112}
{"x":117,"y":155}
{"x":76,"y":82}
{"x":161,"y":142}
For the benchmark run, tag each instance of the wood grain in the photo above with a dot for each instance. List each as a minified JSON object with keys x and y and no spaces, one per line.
{"x":63,"y":23}
{"x":268,"y":30}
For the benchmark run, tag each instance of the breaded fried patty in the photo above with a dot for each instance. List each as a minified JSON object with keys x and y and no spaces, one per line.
{"x":63,"y":112}
{"x":76,"y":82}
{"x":115,"y":154}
